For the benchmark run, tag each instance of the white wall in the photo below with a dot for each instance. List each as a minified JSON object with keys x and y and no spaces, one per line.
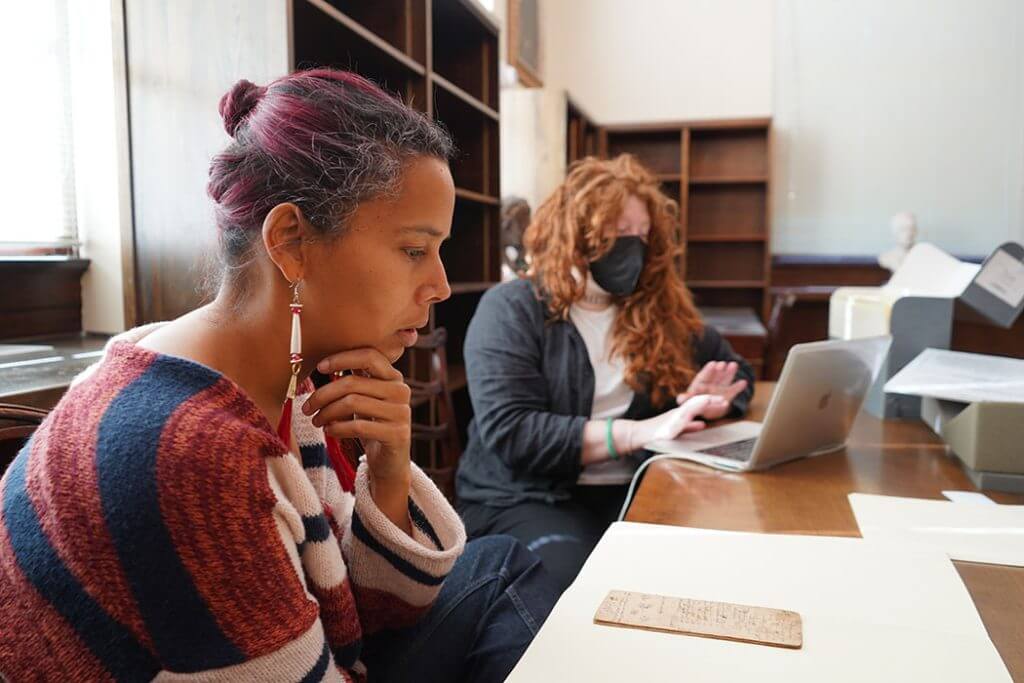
{"x":644,"y":60}
{"x":660,"y":60}
{"x":532,"y":142}
{"x":532,"y":130}
{"x":878,"y":105}
{"x":889,"y":105}
{"x":102,"y":186}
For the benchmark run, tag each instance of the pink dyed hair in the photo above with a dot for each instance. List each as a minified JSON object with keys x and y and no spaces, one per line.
{"x":324,"y":140}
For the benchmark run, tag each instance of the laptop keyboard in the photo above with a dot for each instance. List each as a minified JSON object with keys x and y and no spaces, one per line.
{"x":737,"y":450}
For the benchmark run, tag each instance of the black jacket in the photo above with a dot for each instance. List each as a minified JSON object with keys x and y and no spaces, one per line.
{"x":532,"y":388}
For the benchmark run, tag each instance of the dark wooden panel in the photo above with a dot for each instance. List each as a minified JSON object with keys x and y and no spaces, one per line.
{"x":834,"y":271}
{"x":728,"y":153}
{"x":672,"y":190}
{"x":464,"y":255}
{"x":474,"y":166}
{"x":807,"y":318}
{"x":724,"y":261}
{"x":659,"y":151}
{"x":181,"y":57}
{"x":581,"y":133}
{"x":491,"y":162}
{"x":492,"y":245}
{"x":388,"y":20}
{"x":40,"y":321}
{"x":40,"y":297}
{"x":462,"y":50}
{"x":46,"y":399}
{"x":749,"y":346}
{"x":726,"y":210}
{"x":41,"y":284}
{"x":322,"y":40}
{"x":750,"y":297}
{"x":974,"y":334}
{"x":454,"y":315}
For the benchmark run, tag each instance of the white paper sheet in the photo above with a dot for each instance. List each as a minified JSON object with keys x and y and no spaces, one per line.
{"x":929,"y":271}
{"x":958,"y":376}
{"x":973,"y":533}
{"x":871,"y":612}
{"x":969,"y":497}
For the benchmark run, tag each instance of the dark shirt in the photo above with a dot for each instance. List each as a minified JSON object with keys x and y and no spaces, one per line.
{"x":532,"y":388}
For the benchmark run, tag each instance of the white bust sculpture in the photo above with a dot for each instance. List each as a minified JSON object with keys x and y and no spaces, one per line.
{"x":904,"y":228}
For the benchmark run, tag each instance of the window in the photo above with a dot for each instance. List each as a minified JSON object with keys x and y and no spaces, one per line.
{"x":37,"y":182}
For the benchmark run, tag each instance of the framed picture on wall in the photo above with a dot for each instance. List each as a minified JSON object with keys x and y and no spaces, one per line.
{"x":524,"y":40}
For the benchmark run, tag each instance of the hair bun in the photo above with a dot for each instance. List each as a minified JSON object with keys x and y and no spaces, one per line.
{"x":238,"y":102}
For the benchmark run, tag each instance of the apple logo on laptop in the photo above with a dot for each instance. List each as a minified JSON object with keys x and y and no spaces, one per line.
{"x":823,"y":402}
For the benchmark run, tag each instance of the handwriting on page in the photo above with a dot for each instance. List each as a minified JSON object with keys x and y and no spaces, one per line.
{"x":761,"y":625}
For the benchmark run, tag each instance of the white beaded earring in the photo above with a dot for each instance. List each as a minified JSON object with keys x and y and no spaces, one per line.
{"x":284,"y":426}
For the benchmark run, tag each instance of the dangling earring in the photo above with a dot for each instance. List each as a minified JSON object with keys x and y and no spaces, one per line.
{"x":284,"y":426}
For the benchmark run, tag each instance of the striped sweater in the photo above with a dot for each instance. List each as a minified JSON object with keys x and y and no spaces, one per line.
{"x":156,"y":527}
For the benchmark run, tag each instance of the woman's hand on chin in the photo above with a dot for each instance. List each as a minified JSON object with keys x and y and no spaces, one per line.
{"x":371,"y":405}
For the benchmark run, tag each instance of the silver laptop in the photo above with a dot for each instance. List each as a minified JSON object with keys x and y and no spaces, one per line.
{"x":817,"y":398}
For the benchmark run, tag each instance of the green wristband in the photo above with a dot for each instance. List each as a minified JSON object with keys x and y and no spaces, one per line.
{"x":610,"y":441}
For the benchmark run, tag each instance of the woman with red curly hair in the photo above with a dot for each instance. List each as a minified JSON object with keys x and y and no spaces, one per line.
{"x":598,"y":351}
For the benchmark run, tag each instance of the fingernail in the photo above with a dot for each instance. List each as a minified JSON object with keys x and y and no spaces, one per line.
{"x":323,"y":366}
{"x":305,"y":408}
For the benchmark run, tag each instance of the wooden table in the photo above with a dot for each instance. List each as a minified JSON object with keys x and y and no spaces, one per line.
{"x":39,"y":379}
{"x":897,"y":458}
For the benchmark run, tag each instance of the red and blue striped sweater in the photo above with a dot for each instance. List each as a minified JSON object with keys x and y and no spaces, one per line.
{"x":156,"y":526}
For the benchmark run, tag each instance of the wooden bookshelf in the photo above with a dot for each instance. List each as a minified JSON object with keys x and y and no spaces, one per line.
{"x":660,"y":150}
{"x":324,"y":35}
{"x":441,"y":57}
{"x":719,"y":172}
{"x":729,"y":180}
{"x":726,"y":238}
{"x":581,"y":134}
{"x":438,"y":56}
{"x":478,"y":197}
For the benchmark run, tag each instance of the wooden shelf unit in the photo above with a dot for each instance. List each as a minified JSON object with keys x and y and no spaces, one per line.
{"x":478,"y":197}
{"x":719,"y":172}
{"x":729,"y":180}
{"x":464,"y":48}
{"x":581,"y":134}
{"x":323,"y":35}
{"x":441,"y":57}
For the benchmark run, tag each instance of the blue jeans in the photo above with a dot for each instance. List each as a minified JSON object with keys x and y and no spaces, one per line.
{"x":489,"y":609}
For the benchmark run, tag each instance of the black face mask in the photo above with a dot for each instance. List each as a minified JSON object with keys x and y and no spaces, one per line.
{"x":618,"y":271}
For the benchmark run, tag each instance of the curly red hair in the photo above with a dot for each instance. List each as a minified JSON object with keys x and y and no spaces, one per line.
{"x":654,"y":329}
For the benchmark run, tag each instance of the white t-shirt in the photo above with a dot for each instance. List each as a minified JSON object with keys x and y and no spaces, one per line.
{"x":612,"y":395}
